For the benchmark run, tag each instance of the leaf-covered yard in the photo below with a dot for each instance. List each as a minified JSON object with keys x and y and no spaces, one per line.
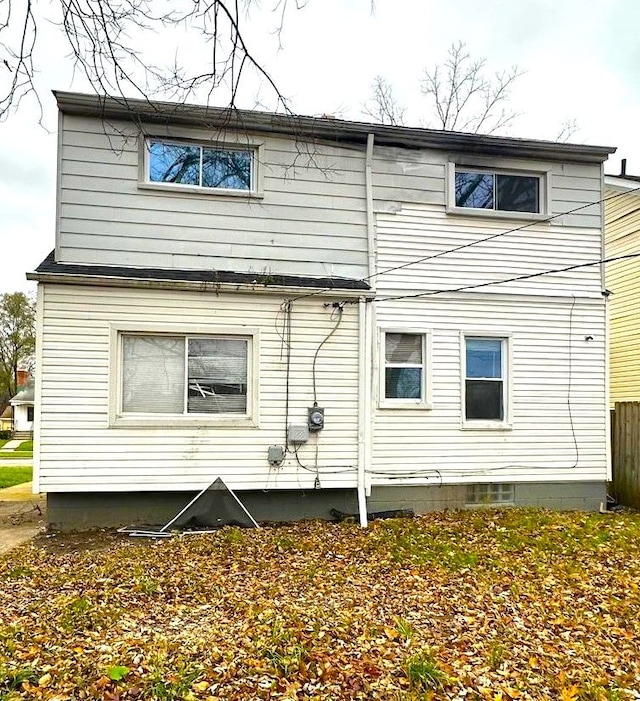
{"x":476,"y":605}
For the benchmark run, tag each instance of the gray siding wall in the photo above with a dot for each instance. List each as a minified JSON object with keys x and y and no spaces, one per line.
{"x":311,"y":220}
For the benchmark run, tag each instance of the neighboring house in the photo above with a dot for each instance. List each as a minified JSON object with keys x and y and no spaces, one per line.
{"x":23,"y":409}
{"x":6,"y":419}
{"x":622,"y":238}
{"x":263,"y":298}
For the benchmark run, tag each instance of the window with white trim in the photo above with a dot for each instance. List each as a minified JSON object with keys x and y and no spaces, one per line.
{"x":405,"y":368}
{"x":212,"y":167}
{"x":485,"y":385}
{"x":185,"y":375}
{"x":482,"y":189}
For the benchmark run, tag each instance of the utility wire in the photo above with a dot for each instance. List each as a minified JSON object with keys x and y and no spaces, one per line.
{"x":463,"y":288}
{"x":461,"y":247}
{"x":499,"y":234}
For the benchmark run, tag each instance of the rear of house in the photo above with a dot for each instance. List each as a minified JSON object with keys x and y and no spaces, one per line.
{"x":304,"y":307}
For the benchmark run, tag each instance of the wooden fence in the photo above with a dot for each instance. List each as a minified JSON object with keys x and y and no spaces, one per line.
{"x":625,"y":453}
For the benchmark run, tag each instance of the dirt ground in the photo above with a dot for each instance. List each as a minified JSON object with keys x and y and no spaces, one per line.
{"x":22,"y":516}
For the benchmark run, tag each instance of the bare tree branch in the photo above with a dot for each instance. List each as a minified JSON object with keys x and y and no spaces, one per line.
{"x":568,"y":129}
{"x":382,"y":106}
{"x":104,"y":41}
{"x":464,"y":98}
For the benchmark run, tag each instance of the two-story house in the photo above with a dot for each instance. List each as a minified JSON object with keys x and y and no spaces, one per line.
{"x":325,"y":314}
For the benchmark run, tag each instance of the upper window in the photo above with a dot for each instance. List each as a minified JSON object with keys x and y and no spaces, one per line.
{"x":212,"y":167}
{"x":166,"y":374}
{"x":405,"y":368}
{"x":497,"y":191}
{"x":485,"y":379}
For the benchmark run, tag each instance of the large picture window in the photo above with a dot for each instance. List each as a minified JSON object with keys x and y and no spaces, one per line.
{"x":212,"y":167}
{"x":485,"y":379}
{"x":167,"y":374}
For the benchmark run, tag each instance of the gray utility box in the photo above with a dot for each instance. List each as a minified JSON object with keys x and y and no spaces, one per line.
{"x":298,"y":433}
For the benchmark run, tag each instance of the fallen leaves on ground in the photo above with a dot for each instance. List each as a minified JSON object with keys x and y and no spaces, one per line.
{"x":495,"y":605}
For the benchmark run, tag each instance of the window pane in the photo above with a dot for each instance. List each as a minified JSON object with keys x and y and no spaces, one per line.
{"x":226,"y":169}
{"x":403,"y":348}
{"x":484,"y":357}
{"x":516,"y":193}
{"x":474,"y":190}
{"x":484,"y":400}
{"x":174,"y":163}
{"x":217,"y":375}
{"x":153,"y":374}
{"x":403,"y":383}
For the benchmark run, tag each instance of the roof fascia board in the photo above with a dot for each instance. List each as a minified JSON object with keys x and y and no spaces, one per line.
{"x":336,"y":130}
{"x":200,"y":286}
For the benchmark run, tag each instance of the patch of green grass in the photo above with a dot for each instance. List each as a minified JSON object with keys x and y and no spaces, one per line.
{"x":423,"y":671}
{"x":12,"y":475}
{"x":14,"y":455}
{"x":171,"y":682}
{"x":25,"y":446}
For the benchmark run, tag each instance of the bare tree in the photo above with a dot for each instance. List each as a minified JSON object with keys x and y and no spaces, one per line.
{"x":382,"y":106}
{"x":464,"y":98}
{"x":104,"y":38}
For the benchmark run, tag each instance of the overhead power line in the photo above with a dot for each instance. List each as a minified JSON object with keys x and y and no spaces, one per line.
{"x":499,"y":234}
{"x":529,"y":276}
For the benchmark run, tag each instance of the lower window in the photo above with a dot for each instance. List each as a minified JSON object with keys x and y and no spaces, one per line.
{"x":404,"y":360}
{"x":490,"y":494}
{"x":168,"y":374}
{"x":485,"y":379}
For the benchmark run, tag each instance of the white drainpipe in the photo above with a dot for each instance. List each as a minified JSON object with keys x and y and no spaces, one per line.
{"x":364,"y":345}
{"x":363,"y":409}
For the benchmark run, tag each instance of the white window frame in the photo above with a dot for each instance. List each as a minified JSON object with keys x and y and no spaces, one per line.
{"x":504,"y":167}
{"x":257,"y":158}
{"x":119,"y":418}
{"x":506,"y":424}
{"x":425,"y":401}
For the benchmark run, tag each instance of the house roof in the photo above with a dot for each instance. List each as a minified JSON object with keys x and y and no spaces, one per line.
{"x":626,"y":182}
{"x":25,"y":396}
{"x":329,"y":129}
{"x":7,"y":413}
{"x":205,"y":280}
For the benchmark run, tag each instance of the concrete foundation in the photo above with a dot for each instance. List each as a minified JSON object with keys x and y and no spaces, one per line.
{"x":79,"y":511}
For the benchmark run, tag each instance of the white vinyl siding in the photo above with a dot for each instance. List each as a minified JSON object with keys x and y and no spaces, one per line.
{"x":434,"y":447}
{"x":416,"y":233}
{"x":556,"y":379}
{"x":78,"y":356}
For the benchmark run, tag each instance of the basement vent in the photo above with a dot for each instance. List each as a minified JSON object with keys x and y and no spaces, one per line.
{"x":491,"y":494}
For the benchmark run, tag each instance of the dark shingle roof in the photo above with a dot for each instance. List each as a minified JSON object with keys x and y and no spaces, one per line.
{"x":49,"y":267}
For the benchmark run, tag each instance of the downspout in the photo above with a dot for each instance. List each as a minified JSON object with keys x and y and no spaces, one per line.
{"x":37,"y":405}
{"x":607,"y":329}
{"x":371,"y":232}
{"x":363,"y":411}
{"x":364,"y":345}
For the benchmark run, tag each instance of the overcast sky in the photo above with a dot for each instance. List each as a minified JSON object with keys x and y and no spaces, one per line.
{"x":582,"y":62}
